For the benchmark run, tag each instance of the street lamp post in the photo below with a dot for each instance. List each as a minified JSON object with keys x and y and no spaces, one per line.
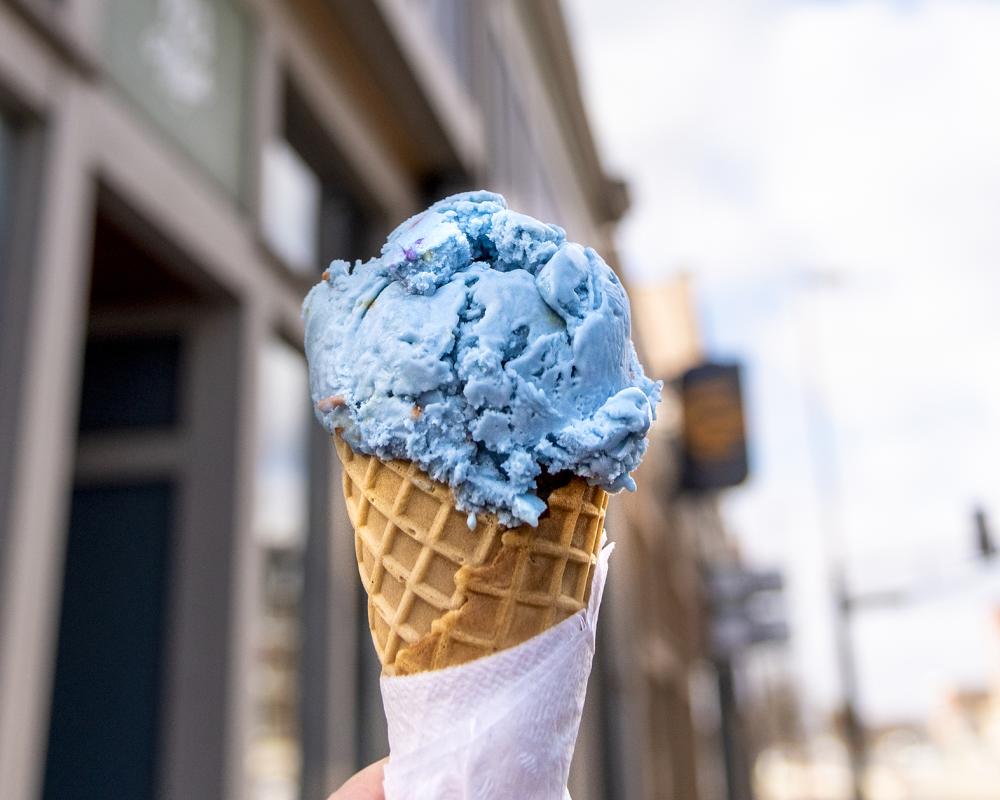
{"x":854,"y":733}
{"x":828,"y":488}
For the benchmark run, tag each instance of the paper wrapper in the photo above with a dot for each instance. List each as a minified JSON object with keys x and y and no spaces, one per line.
{"x":503,"y":726}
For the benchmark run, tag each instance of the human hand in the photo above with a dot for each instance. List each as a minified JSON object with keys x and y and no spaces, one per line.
{"x":366,"y":785}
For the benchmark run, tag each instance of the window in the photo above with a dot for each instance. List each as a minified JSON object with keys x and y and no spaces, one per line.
{"x":310,"y":214}
{"x":290,"y":207}
{"x":451,"y":22}
{"x":499,"y":117}
{"x":280,"y":519}
{"x":292,"y":514}
{"x":130,"y":383}
{"x":6,"y":168}
{"x":106,"y":699}
{"x":8,"y":342}
{"x":9,"y":136}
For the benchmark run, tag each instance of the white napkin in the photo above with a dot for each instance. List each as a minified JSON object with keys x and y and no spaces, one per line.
{"x":503,"y":726}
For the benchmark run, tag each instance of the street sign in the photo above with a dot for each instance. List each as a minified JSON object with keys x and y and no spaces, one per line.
{"x":732,"y":635}
{"x":746,"y":609}
{"x":714,"y":434}
{"x":734,"y":585}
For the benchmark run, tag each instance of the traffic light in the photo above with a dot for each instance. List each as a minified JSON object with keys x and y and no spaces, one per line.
{"x":986,"y":548}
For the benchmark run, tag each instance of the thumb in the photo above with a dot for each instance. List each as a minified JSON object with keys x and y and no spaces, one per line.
{"x":366,"y":785}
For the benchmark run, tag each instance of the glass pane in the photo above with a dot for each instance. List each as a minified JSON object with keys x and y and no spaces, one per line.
{"x":500,"y":115}
{"x":340,"y":223}
{"x":106,"y":697}
{"x":280,"y":525}
{"x":6,"y":168}
{"x":290,"y":207}
{"x":450,"y":22}
{"x":6,"y":163}
{"x":130,"y":383}
{"x":7,"y":319}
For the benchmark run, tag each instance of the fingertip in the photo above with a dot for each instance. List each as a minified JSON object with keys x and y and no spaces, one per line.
{"x":365,"y":785}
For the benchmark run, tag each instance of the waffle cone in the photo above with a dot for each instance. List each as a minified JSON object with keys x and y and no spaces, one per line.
{"x":441,"y":595}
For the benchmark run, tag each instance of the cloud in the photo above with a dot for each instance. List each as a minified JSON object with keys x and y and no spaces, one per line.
{"x":766,"y":142}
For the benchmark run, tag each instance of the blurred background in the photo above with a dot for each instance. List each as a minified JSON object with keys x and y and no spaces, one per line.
{"x":802,"y":198}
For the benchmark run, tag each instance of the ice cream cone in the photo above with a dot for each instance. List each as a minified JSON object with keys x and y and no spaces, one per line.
{"x":440,"y":594}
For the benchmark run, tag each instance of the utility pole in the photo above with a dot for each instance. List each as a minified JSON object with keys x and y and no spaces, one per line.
{"x":735,"y":758}
{"x":848,"y":604}
{"x":828,"y":489}
{"x":737,"y":623}
{"x":854,"y":734}
{"x":986,"y":548}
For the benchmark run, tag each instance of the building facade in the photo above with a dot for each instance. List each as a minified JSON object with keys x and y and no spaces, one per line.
{"x":180,"y":614}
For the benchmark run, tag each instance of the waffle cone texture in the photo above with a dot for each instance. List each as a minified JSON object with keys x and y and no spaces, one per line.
{"x":439,"y":594}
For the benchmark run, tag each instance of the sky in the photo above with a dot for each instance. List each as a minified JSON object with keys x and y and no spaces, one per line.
{"x":829,"y":174}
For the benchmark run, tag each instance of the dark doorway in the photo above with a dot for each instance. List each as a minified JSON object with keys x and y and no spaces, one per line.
{"x":106,"y":698}
{"x":108,"y":710}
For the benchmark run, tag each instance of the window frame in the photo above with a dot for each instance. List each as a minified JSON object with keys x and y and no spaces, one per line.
{"x":24,"y":135}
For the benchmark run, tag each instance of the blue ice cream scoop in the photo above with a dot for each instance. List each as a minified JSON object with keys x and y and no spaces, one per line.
{"x":487,"y":349}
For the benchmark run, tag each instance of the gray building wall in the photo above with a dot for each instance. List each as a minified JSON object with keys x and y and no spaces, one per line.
{"x":141,"y":146}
